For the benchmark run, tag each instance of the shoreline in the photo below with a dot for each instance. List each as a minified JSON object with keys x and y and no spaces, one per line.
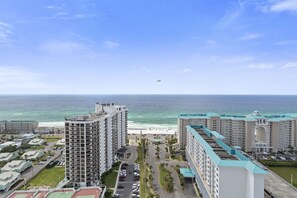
{"x":133,"y":128}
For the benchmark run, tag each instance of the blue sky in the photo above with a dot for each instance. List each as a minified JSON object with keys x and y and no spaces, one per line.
{"x":124,"y":47}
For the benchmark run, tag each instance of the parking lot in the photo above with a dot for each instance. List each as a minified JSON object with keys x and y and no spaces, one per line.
{"x":128,"y":184}
{"x":281,"y":156}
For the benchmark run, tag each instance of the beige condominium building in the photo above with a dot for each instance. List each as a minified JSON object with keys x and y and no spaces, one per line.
{"x":92,"y":142}
{"x":18,"y":126}
{"x":254,"y":132}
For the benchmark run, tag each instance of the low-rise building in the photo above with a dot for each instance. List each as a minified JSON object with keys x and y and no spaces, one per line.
{"x":32,"y":155}
{"x":37,"y":142}
{"x":61,"y":142}
{"x":10,"y":143}
{"x":8,"y":179}
{"x":17,"y":166}
{"x":7,"y":157}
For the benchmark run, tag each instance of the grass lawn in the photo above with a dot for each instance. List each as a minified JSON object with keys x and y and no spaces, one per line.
{"x":285,"y":173}
{"x":109,"y":178}
{"x":165,"y":178}
{"x":51,"y":139}
{"x":47,"y":177}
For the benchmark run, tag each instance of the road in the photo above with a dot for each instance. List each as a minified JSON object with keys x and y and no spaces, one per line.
{"x":34,"y":170}
{"x":129,"y":180}
{"x":188,"y":192}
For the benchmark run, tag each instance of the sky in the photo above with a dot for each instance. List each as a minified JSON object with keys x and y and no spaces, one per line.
{"x":125,"y":47}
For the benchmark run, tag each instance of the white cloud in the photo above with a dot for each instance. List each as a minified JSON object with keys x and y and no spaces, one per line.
{"x":110,"y":45}
{"x":284,"y":5}
{"x":250,"y":36}
{"x":63,"y":47}
{"x":290,"y":65}
{"x":232,"y":15}
{"x":185,"y":70}
{"x":5,"y":32}
{"x":19,"y":80}
{"x":261,"y":66}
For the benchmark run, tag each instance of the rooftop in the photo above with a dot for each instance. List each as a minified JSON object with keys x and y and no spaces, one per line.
{"x":187,"y":172}
{"x":84,"y":118}
{"x":4,"y":155}
{"x":219,"y":152}
{"x":249,"y":117}
{"x":6,"y":178}
{"x":15,"y":163}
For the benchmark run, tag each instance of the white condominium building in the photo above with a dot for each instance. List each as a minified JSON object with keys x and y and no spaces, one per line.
{"x":219,"y":170}
{"x":92,"y":142}
{"x":253,"y":132}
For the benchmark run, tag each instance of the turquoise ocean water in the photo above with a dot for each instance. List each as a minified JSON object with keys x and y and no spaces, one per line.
{"x":144,"y":110}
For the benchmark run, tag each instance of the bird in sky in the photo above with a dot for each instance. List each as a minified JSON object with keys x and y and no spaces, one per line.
{"x":158,"y":81}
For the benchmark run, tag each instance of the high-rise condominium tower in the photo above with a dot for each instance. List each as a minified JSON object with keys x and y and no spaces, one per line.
{"x":253,"y":132}
{"x":92,"y":142}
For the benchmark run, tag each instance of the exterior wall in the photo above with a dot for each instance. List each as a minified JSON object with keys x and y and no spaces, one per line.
{"x":249,"y":136}
{"x":255,"y":184}
{"x":225,"y":130}
{"x":233,"y":182}
{"x":108,"y":136}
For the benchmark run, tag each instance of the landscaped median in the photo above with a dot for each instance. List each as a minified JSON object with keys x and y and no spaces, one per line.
{"x":165,"y":178}
{"x":146,"y":187}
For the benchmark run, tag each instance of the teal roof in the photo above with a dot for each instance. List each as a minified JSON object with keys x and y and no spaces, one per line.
{"x":248,"y":117}
{"x":187,"y":172}
{"x":242,"y":161}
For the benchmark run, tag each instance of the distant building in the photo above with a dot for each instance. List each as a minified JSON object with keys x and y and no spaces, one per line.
{"x":18,"y":126}
{"x":17,"y":166}
{"x":7,"y":157}
{"x":2,"y":126}
{"x":32,"y":155}
{"x":92,"y":142}
{"x":253,"y":132}
{"x":36,"y":142}
{"x":219,"y":170}
{"x":90,"y":192}
{"x":8,"y":179}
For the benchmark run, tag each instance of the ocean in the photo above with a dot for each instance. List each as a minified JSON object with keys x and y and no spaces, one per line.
{"x":147,"y":111}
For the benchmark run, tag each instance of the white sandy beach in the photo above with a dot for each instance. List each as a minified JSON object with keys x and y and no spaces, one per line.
{"x":132,"y":128}
{"x":151,"y":131}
